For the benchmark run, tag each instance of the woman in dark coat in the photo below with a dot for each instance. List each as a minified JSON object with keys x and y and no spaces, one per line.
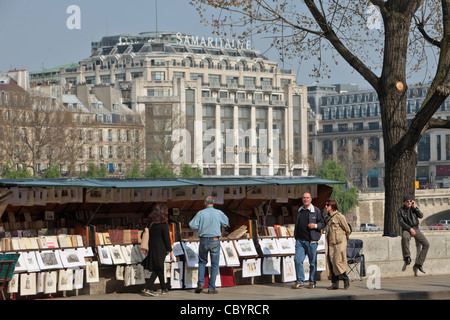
{"x":159,"y":246}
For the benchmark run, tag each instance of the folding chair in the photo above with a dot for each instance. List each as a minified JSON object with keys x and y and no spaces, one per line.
{"x":355,"y":259}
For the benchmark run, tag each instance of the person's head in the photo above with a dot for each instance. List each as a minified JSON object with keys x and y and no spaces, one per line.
{"x":209,"y":201}
{"x":407,"y":201}
{"x":160,"y":214}
{"x":306,"y":199}
{"x":331,"y":205}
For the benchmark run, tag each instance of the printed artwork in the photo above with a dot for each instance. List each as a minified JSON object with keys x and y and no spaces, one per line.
{"x":28,"y":284}
{"x":92,"y":272}
{"x":191,"y":253}
{"x":251,"y":268}
{"x":176,"y":275}
{"x":50,"y":281}
{"x":230,"y":253}
{"x":269,"y":246}
{"x":288,"y":273}
{"x":272,"y":265}
{"x":245,"y":248}
{"x":49,"y":259}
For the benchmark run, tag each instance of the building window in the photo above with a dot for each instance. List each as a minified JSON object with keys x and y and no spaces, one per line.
{"x":423,"y":149}
{"x":158,"y":92}
{"x":266,"y":81}
{"x":214,"y":78}
{"x":158,"y":75}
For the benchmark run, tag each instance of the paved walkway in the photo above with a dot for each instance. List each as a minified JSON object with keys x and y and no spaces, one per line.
{"x":402,"y":288}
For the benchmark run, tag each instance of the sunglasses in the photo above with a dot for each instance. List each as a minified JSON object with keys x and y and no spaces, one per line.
{"x":327,"y":204}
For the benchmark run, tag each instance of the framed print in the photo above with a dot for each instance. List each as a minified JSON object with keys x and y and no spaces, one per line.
{"x":50,"y":281}
{"x":116,"y":254}
{"x":288,"y":273}
{"x":272,"y":265}
{"x":40,"y":281}
{"x":136,"y":255}
{"x":71,"y":258}
{"x":87,"y":252}
{"x":190,"y":277}
{"x":78,"y":279}
{"x":92,"y":272}
{"x":13,"y":284}
{"x":286,"y":245}
{"x":119,"y":272}
{"x":49,"y":259}
{"x":245,"y":248}
{"x":128,"y":275}
{"x":65,"y":280}
{"x":28,"y":284}
{"x":269,"y":246}
{"x":321,"y":262}
{"x":176,"y":275}
{"x":104,"y":255}
{"x":177,"y":249}
{"x":251,"y":268}
{"x":21,"y":265}
{"x":137,"y":274}
{"x":31,"y":261}
{"x":126,"y":253}
{"x":191,"y":253}
{"x":321,"y":244}
{"x":230,"y":254}
{"x":49,"y":215}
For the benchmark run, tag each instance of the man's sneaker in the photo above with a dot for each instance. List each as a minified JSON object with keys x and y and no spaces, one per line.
{"x":311,"y":285}
{"x":165,"y":291}
{"x":213,"y":291}
{"x":150,"y":293}
{"x":199,"y":289}
{"x":298,"y":285}
{"x":407,"y":260}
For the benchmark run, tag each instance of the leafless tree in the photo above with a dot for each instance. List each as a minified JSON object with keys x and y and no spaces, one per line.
{"x":412,"y":35}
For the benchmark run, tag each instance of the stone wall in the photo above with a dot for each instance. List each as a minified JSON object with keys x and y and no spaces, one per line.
{"x":434,"y":203}
{"x":386,"y":254}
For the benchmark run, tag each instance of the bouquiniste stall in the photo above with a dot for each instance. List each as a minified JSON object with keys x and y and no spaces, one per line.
{"x":83,"y":231}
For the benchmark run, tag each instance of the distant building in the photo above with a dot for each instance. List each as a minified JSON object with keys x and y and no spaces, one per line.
{"x":212,"y":103}
{"x":346,"y":120}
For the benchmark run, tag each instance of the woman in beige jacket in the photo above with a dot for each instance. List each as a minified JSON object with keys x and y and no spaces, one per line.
{"x":337,"y":234}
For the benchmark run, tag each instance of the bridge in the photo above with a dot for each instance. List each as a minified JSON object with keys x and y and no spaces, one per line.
{"x":434,"y":203}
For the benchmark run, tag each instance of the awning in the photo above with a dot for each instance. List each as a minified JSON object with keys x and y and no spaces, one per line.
{"x":139,"y":183}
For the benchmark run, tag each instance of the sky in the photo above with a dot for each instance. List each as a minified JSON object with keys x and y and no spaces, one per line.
{"x":42,"y":34}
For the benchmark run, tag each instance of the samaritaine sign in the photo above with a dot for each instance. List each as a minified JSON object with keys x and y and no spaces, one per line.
{"x":212,"y":42}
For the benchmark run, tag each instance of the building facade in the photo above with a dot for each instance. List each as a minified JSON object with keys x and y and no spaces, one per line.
{"x":43,"y":125}
{"x":215,"y":104}
{"x":346,"y":125}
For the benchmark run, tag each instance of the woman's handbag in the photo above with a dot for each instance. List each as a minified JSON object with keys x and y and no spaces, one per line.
{"x":144,"y":241}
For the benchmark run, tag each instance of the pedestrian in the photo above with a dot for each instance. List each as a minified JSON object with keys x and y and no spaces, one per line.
{"x":159,"y":245}
{"x":308,"y":223}
{"x":408,"y":217}
{"x":337,"y":234}
{"x":209,"y":223}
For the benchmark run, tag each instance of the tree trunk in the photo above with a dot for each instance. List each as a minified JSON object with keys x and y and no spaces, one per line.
{"x":400,"y":162}
{"x":399,"y":181}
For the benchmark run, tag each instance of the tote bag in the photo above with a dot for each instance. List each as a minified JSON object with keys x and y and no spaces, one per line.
{"x":144,"y":241}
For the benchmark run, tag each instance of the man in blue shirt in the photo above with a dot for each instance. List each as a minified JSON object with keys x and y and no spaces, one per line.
{"x":208,"y":222}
